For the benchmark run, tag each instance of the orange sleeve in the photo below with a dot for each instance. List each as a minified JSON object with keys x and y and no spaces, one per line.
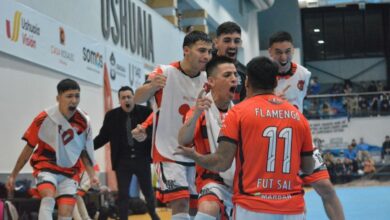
{"x":31,"y":135}
{"x":230,"y":127}
{"x":151,"y":75}
{"x":148,"y":121}
{"x":307,"y":141}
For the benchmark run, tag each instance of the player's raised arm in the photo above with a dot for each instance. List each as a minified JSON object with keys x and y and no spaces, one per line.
{"x":186,"y":132}
{"x":145,"y":92}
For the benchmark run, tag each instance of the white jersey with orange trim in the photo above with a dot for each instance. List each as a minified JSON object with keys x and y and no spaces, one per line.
{"x":294,"y":85}
{"x":179,"y":93}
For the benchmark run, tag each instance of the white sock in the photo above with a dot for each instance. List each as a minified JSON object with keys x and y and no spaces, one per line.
{"x":81,"y":208}
{"x":180,"y":216}
{"x":46,"y":208}
{"x":204,"y":216}
{"x":76,"y":214}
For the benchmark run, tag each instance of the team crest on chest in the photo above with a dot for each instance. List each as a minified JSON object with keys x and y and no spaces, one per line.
{"x":301,"y":84}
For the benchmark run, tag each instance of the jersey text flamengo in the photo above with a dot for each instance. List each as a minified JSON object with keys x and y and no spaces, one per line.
{"x":271,"y":136}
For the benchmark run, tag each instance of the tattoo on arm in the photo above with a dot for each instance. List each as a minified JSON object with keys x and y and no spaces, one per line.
{"x":219,"y":161}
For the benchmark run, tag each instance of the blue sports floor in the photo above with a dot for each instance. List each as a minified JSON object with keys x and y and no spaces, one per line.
{"x":368,"y":202}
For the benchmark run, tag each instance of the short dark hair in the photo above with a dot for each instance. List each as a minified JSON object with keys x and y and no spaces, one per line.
{"x":125,"y":88}
{"x":195,"y":36}
{"x":67,"y":84}
{"x":228,"y":27}
{"x":215,"y":62}
{"x":261,"y":73}
{"x":280,"y":36}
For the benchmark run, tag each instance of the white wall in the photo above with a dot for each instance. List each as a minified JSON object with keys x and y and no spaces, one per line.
{"x":250,"y":37}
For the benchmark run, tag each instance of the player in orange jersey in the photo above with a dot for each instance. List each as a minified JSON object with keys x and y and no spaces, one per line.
{"x":270,"y":141}
{"x":202,"y":126}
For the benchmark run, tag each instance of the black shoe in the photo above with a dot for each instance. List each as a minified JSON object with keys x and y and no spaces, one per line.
{"x":155,"y":216}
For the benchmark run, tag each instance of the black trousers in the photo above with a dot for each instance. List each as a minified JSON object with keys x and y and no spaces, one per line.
{"x":140,"y":168}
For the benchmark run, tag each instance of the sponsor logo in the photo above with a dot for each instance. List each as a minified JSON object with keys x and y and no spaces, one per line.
{"x":22,"y":26}
{"x":13,"y":35}
{"x":62,"y":36}
{"x":170,"y":184}
{"x":301,"y":84}
{"x":134,"y":74}
{"x":116,"y":69}
{"x":60,"y":52}
{"x":94,"y":58}
{"x":112,"y":70}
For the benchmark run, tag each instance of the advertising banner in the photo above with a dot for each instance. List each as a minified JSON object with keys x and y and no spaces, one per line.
{"x":32,"y":36}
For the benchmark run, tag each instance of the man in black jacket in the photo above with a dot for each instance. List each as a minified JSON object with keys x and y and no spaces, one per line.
{"x":128,"y":156}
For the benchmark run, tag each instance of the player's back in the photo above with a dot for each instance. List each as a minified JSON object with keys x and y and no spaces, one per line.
{"x":273,"y":135}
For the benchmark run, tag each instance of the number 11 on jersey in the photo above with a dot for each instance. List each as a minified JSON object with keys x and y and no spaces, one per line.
{"x":272,"y":134}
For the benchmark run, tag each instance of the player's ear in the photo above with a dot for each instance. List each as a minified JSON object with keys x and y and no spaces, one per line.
{"x":211,"y":81}
{"x":186,"y":50}
{"x":215,"y":40}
